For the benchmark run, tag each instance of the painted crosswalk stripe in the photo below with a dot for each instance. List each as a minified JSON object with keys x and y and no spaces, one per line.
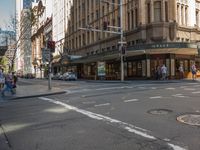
{"x":155,"y":97}
{"x":131,"y":100}
{"x":196,"y":92}
{"x":99,"y":105}
{"x":120,"y":124}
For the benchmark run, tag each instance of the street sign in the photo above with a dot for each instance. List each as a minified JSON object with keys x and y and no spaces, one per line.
{"x":45,"y":55}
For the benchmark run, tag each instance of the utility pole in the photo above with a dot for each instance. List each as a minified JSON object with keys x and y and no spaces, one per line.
{"x":121,"y":42}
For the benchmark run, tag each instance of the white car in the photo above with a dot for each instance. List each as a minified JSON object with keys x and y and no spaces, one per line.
{"x":69,"y":76}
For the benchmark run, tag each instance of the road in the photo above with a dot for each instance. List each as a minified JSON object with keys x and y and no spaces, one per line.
{"x":105,"y":116}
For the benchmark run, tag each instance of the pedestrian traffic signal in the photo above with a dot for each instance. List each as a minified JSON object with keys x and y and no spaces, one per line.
{"x":123,"y":50}
{"x":51,"y":46}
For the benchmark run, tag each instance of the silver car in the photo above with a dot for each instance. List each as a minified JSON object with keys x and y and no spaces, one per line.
{"x":69,"y":76}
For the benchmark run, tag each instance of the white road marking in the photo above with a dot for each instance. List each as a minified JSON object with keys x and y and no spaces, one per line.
{"x":180,"y":96}
{"x":99,"y":105}
{"x":189,"y":89}
{"x":153,"y":88}
{"x":126,"y":126}
{"x":131,"y":100}
{"x":113,"y":88}
{"x":196,"y":85}
{"x":91,"y":102}
{"x":196,"y":92}
{"x":170,"y":88}
{"x":155,"y":97}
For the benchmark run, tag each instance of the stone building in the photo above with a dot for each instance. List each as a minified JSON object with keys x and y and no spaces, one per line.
{"x":156,"y":32}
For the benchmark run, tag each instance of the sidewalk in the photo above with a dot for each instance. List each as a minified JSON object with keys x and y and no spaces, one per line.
{"x":29,"y":91}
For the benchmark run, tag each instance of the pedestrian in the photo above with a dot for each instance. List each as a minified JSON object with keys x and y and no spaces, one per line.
{"x":8,"y":85}
{"x":164,"y":72}
{"x":158,"y":72}
{"x":194,"y":71}
{"x":181,"y":71}
{"x":2,"y":79}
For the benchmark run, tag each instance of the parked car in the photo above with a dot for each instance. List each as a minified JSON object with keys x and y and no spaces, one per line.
{"x":69,"y":76}
{"x":56,"y":76}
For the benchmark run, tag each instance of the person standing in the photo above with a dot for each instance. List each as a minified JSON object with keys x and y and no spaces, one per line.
{"x":194,"y":71}
{"x":181,"y":71}
{"x":164,"y":72}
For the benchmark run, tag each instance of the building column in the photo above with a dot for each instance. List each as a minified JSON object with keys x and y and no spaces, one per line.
{"x":148,"y":68}
{"x":198,"y":23}
{"x":152,"y":11}
{"x":163,"y":10}
{"x":172,"y":68}
{"x":183,"y":13}
{"x":179,"y":15}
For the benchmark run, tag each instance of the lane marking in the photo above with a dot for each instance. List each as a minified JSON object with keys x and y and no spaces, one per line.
{"x":180,"y":96}
{"x":189,"y":89}
{"x":99,"y":105}
{"x":155,"y":97}
{"x":153,"y":88}
{"x":123,"y":125}
{"x":170,"y":88}
{"x":91,"y":102}
{"x":131,"y":100}
{"x":196,"y":92}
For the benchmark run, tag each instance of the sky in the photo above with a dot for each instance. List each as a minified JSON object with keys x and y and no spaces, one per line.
{"x":7,"y":8}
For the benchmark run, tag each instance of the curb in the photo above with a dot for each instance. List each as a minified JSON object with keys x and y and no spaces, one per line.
{"x":37,"y":95}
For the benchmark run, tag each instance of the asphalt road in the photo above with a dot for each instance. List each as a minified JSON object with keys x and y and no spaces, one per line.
{"x":104,"y":116}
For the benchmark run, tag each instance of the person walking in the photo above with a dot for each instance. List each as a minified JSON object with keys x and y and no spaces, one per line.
{"x":181,"y":71}
{"x":164,"y":72}
{"x":2,"y":79}
{"x":8,"y":85}
{"x":194,"y":71}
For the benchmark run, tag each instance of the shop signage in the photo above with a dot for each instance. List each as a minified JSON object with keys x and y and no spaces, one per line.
{"x":45,"y":55}
{"x":101,"y":68}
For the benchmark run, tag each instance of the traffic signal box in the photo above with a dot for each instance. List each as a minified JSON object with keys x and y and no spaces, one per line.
{"x":51,"y":46}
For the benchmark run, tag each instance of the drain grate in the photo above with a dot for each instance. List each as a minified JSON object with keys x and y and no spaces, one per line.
{"x":159,"y":111}
{"x":190,"y":119}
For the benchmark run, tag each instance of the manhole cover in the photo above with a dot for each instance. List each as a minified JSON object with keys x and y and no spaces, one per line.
{"x":159,"y":111}
{"x":190,"y":119}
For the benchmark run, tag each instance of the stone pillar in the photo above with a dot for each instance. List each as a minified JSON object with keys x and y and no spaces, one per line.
{"x":152,"y":11}
{"x":148,"y":67}
{"x":179,"y":15}
{"x":172,"y":66}
{"x":183,"y":13}
{"x":163,"y":10}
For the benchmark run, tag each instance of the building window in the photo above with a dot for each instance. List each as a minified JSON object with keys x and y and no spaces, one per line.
{"x":136,"y":17}
{"x":157,"y":11}
{"x":166,"y":11}
{"x":148,"y":13}
{"x":128,"y":21}
{"x":197,"y":18}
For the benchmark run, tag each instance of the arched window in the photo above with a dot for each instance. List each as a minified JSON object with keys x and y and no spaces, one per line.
{"x":157,"y":11}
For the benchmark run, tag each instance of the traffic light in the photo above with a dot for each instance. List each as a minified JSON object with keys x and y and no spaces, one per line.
{"x":105,"y":25}
{"x":51,"y":46}
{"x":123,"y":50}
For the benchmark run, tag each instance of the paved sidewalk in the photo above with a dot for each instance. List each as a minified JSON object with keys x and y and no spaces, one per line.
{"x":32,"y":90}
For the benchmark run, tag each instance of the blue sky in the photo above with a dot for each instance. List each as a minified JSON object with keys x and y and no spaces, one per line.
{"x":7,"y":8}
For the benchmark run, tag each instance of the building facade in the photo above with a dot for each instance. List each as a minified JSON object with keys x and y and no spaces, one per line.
{"x":43,"y":12}
{"x":156,"y":32}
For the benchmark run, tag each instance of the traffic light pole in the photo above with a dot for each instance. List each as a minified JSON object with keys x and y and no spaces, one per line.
{"x":49,"y":81}
{"x":121,"y":41}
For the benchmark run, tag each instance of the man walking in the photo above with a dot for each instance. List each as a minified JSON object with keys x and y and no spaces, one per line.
{"x":164,"y":72}
{"x":8,"y":84}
